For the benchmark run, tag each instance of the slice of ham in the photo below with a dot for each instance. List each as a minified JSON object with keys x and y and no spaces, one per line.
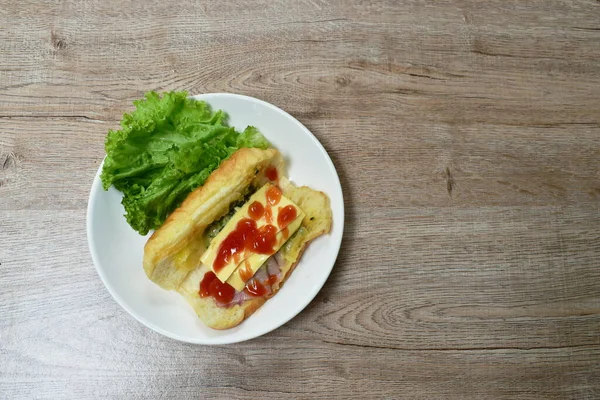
{"x":271,"y":267}
{"x":274,"y":265}
{"x":261,"y":275}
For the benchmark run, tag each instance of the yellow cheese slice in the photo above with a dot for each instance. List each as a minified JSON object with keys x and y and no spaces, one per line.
{"x":209,"y":256}
{"x":247,"y":268}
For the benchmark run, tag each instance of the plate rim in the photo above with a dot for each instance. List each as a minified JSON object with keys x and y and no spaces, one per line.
{"x":218,"y":340}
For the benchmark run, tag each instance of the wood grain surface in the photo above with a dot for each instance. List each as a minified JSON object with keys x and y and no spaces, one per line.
{"x":467,"y":139}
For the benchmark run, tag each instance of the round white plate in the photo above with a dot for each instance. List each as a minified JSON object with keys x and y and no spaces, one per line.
{"x":117,"y":249}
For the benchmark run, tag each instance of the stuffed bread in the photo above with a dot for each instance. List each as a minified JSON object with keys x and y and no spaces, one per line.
{"x":230,"y":247}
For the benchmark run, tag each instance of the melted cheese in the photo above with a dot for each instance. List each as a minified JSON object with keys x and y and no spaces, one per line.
{"x":208,"y":258}
{"x":248,"y":267}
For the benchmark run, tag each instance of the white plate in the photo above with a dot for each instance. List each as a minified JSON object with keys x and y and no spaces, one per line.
{"x":117,"y":249}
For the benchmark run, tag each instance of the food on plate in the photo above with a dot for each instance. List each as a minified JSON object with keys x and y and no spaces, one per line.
{"x":164,"y":150}
{"x":230,"y":227}
{"x":235,"y":240}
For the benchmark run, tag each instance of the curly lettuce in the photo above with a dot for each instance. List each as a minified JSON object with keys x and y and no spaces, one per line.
{"x":164,"y":150}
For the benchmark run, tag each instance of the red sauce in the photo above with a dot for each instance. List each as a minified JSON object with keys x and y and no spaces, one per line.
{"x":245,"y":236}
{"x":237,"y":258}
{"x":255,"y":288}
{"x":271,"y":280}
{"x":273,"y":195}
{"x":271,"y":173}
{"x":246,"y":271}
{"x":286,"y":215}
{"x":205,"y":284}
{"x":256,"y":210}
{"x":234,"y":243}
{"x":269,"y":215}
{"x":264,"y":240}
{"x":212,"y":286}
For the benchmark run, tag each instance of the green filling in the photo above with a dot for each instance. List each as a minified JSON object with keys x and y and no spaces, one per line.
{"x":213,"y":229}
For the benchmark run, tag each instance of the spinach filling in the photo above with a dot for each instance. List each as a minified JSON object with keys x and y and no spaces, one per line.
{"x":213,"y":229}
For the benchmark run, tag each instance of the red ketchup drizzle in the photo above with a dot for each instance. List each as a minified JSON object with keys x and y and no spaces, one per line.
{"x":236,"y":258}
{"x":234,"y":243}
{"x":273,"y":195}
{"x":271,"y":173}
{"x":269,"y":215}
{"x":256,"y":210}
{"x":255,"y":288}
{"x":271,"y":280}
{"x":212,"y":286}
{"x":286,"y":215}
{"x":246,"y":272}
{"x":246,"y":236}
{"x":264,"y":240}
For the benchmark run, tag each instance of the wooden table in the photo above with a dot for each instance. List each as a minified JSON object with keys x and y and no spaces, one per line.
{"x":467,"y":139}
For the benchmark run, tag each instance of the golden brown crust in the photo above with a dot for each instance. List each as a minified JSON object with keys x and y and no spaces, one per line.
{"x":250,"y":306}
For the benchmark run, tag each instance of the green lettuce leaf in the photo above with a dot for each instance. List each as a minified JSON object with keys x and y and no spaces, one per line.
{"x":164,"y":150}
